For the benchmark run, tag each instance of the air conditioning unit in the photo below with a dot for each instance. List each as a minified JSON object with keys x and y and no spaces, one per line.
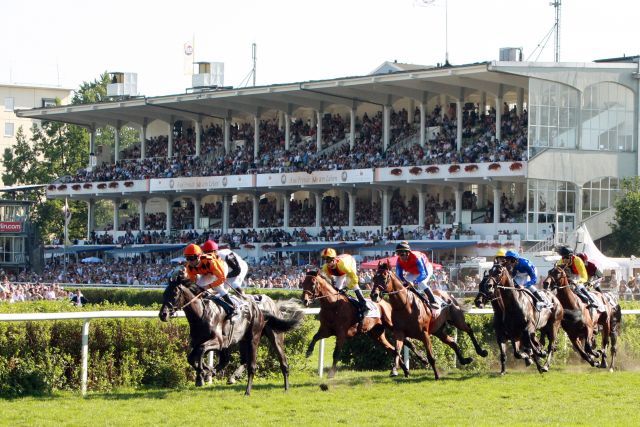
{"x":513,"y":54}
{"x":122,"y":84}
{"x":210,"y":74}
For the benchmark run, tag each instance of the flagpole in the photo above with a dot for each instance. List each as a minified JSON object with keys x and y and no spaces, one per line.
{"x":66,"y":236}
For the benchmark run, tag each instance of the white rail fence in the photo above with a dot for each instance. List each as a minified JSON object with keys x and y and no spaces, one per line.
{"x":87,"y":316}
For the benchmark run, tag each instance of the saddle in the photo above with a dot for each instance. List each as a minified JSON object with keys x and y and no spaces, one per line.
{"x":538,"y":305}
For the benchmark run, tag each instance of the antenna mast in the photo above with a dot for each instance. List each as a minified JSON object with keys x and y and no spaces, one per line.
{"x":255,"y":58}
{"x":556,"y":4}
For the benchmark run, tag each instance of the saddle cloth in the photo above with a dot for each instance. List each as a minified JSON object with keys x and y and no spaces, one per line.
{"x":373,"y":312}
{"x":600,"y":307}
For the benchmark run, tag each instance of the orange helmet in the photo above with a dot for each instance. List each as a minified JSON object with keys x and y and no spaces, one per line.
{"x":192,"y":250}
{"x":209,"y":246}
{"x":328,"y":253}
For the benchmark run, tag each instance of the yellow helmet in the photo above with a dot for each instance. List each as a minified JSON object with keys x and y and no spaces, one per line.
{"x":501,"y":252}
{"x":328,"y":253}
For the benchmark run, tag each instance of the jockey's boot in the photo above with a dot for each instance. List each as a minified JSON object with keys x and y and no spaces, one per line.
{"x":540,"y":302}
{"x":239,"y":291}
{"x":362,"y":309}
{"x":431,"y":297}
{"x":228,"y":306}
{"x":590,"y":301}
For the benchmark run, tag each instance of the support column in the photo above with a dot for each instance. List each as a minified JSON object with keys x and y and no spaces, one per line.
{"x":483,"y":104}
{"x":352,"y":208}
{"x":386,"y":126}
{"x":256,"y":206}
{"x":287,"y":131}
{"x":116,"y":150}
{"x":169,"y":223}
{"x":318,"y":197}
{"x":170,"y":138}
{"x":143,"y":139}
{"x":285,"y":208}
{"x":458,"y":198}
{"x":579,"y":195}
{"x":116,"y":216}
{"x":496,"y":205}
{"x":444,"y":103}
{"x":423,"y":123}
{"x":459,"y":124}
{"x":196,"y":212}
{"x":92,"y":139}
{"x":352,"y":128}
{"x":498,"y":117}
{"x":256,"y":136}
{"x":385,"y":208}
{"x":142,"y":208}
{"x":226,"y":202}
{"x":198,"y":130}
{"x":520,"y":102}
{"x":91,"y":217}
{"x":227,"y":135}
{"x":421,"y":203}
{"x":411,"y":110}
{"x":319,"y":131}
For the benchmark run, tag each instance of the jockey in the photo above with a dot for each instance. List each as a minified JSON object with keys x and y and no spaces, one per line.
{"x":418,"y":270}
{"x":237,"y":267}
{"x":579,"y":275}
{"x":593,"y":272}
{"x":524,"y":273}
{"x":208,"y":272}
{"x":342,"y":268}
{"x":499,"y":257}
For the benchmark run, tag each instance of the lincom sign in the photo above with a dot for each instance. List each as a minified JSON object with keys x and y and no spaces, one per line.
{"x":10,"y":227}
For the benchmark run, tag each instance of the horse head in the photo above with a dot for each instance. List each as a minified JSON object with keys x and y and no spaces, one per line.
{"x":312,"y":285}
{"x":175,"y":294}
{"x":497,"y":276}
{"x":381,"y":282}
{"x":556,"y":278}
{"x":482,"y":298}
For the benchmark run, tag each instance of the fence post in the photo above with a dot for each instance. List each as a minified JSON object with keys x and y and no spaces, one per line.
{"x":405,"y":351}
{"x":321,"y":358}
{"x":85,"y":356}
{"x":211,"y":365}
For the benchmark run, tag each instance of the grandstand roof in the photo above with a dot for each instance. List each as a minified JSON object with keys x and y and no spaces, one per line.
{"x":382,"y":89}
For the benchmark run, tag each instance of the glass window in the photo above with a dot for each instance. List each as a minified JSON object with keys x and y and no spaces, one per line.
{"x":8,"y":104}
{"x":598,"y":195}
{"x":607,"y":123}
{"x":8,"y":129}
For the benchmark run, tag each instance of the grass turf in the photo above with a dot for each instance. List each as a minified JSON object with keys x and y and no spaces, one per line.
{"x":572,"y":396}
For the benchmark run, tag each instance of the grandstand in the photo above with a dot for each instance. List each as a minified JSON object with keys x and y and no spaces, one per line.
{"x":496,"y":153}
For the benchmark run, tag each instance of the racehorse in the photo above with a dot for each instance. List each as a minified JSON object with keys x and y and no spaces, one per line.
{"x":210,"y":332}
{"x":410,"y":316}
{"x":405,"y":313}
{"x":340,"y":318}
{"x":521,"y":319}
{"x":581,"y":324}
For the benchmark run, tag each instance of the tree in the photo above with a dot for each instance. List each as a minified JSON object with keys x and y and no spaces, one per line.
{"x":626,"y":226}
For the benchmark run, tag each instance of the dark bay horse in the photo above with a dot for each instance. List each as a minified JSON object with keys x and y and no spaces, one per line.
{"x":521,"y":319}
{"x":210,"y":332}
{"x":408,"y":309}
{"x":340,"y":318}
{"x":581,"y":324}
{"x":411,"y":318}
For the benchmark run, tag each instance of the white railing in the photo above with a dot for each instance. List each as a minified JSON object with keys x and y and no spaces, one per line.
{"x":88,"y":315}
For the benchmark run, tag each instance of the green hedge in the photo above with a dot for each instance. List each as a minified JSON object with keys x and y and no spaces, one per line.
{"x":42,"y":357}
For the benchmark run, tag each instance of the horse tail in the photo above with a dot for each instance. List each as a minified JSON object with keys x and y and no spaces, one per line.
{"x":572,"y":316}
{"x":291,"y":316}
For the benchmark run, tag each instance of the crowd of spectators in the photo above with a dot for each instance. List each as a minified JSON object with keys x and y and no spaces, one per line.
{"x":479,"y":145}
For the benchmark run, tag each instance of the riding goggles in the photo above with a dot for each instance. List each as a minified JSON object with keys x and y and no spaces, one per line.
{"x":191,"y":257}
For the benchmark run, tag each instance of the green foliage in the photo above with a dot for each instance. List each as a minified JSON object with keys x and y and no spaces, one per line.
{"x":626,"y":226}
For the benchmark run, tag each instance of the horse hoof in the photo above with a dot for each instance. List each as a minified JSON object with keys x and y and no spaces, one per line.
{"x":483,"y":353}
{"x":393,"y":373}
{"x":611,"y":370}
{"x":466,"y":360}
{"x":331,"y":374}
{"x":544,"y":369}
{"x":231,"y":381}
{"x":543,"y":353}
{"x":199,"y":382}
{"x":527,"y":362}
{"x":406,"y":374}
{"x":308,"y":354}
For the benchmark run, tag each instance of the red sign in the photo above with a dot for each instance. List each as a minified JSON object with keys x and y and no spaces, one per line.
{"x":10,"y":227}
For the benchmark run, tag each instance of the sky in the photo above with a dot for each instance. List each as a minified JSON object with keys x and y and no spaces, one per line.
{"x":66,"y":42}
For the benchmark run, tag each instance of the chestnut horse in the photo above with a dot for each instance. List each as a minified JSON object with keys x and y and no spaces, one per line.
{"x":411,"y":317}
{"x":340,"y":318}
{"x":452,"y":314}
{"x":581,"y":324}
{"x":521,"y":319}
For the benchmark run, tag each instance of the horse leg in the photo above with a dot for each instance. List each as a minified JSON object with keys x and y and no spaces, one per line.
{"x":377,"y":334}
{"x":448,"y":340}
{"x":195,"y":360}
{"x":277,"y":342}
{"x":398,"y":350}
{"x":322,"y":333}
{"x":605,"y":344}
{"x":340,"y":339}
{"x":502,"y":347}
{"x":426,"y":339}
{"x":418,"y":353}
{"x":457,"y":320}
{"x":577,"y":345}
{"x":252,"y":354}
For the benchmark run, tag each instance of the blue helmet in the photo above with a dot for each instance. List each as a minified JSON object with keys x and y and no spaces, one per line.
{"x":512,"y":254}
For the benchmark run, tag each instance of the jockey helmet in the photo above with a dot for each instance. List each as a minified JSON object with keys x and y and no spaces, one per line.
{"x":192,"y":250}
{"x":512,"y":254}
{"x":502,"y":252}
{"x":328,"y":253}
{"x":566,"y":251}
{"x":583,"y":257}
{"x":209,"y":246}
{"x":403,"y":247}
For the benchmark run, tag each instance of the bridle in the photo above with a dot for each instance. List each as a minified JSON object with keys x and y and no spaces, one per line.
{"x":314,"y":296}
{"x":383,"y":288}
{"x":554,"y":279}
